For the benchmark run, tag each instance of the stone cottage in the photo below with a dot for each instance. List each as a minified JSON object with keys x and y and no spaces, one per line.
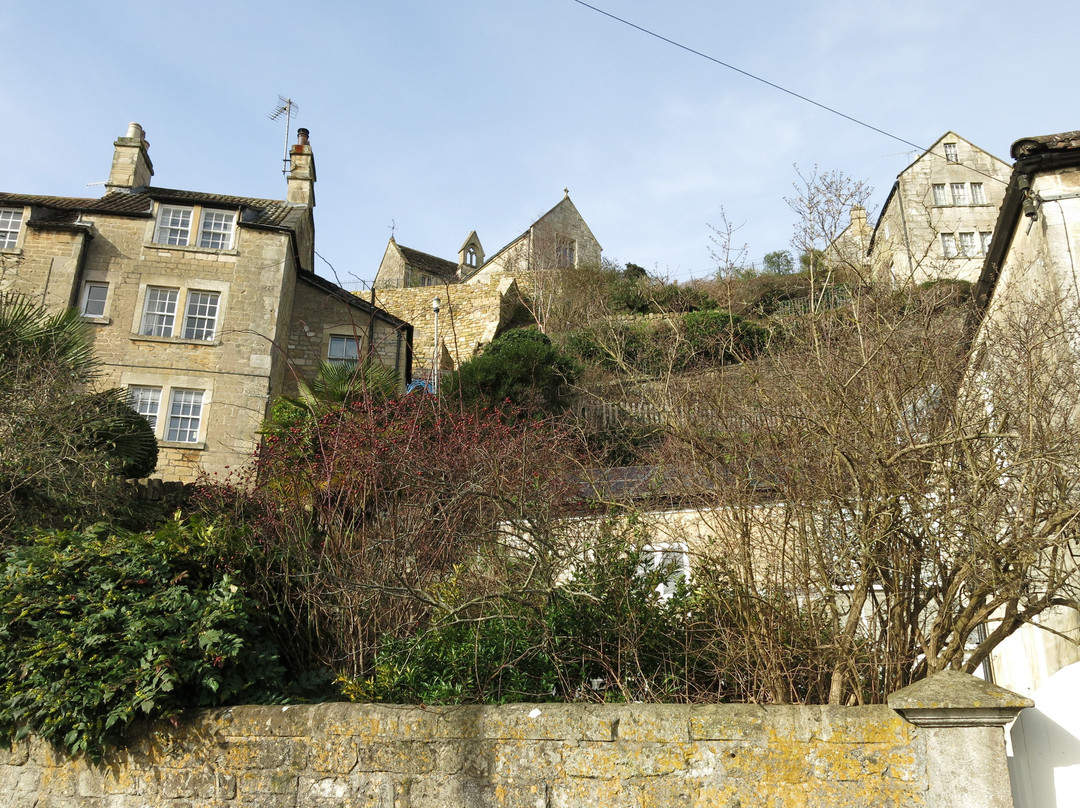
{"x":202,"y":305}
{"x":938,"y":220}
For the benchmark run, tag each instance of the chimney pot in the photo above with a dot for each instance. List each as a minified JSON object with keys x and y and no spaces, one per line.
{"x":302,"y":136}
{"x":134,"y":130}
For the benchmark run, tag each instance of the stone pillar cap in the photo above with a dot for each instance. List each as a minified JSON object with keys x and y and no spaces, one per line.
{"x":952,"y":698}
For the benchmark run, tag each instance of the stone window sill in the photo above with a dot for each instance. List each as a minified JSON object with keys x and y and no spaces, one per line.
{"x":172,"y":444}
{"x":189,"y":249}
{"x":210,"y":343}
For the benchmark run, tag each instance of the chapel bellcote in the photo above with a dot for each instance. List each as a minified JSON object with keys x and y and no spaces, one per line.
{"x":471,"y":254}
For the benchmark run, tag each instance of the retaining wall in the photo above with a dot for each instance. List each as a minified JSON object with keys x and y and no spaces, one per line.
{"x":547,"y":756}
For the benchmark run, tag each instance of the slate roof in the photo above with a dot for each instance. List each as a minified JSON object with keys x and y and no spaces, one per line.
{"x":64,"y":209}
{"x":430,"y":263}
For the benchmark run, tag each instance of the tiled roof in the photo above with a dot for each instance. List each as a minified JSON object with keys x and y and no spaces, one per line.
{"x":1045,"y":143}
{"x":429,"y":263}
{"x":110,"y":203}
{"x":266,"y":212}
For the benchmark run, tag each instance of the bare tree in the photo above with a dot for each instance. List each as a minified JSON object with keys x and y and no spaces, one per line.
{"x":877,"y":500}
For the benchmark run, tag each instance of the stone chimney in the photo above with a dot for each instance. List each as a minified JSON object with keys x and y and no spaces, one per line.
{"x":858,"y":217}
{"x":131,"y":166}
{"x":301,"y":172}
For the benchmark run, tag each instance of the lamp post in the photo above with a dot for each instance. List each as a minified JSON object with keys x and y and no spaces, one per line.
{"x":435,"y":367}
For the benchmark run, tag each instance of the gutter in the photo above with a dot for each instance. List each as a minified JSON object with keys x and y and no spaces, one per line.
{"x":1009,"y":215}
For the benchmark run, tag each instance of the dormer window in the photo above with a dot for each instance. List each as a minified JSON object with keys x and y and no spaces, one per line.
{"x":176,"y":226}
{"x":10,"y":223}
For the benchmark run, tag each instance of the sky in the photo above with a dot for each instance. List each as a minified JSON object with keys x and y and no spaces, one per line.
{"x":430,"y":119}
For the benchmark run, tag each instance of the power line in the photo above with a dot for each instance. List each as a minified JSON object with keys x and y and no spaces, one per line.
{"x":749,"y":75}
{"x":775,"y":86}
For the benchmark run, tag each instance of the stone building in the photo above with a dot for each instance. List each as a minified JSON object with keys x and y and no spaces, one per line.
{"x":1029,"y":278}
{"x":938,"y":219}
{"x":849,"y":250}
{"x":202,"y":306}
{"x":480,"y":295}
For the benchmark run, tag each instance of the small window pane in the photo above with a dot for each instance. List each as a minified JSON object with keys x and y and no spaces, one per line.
{"x":939,"y":195}
{"x":984,"y":240}
{"x":185,"y":414}
{"x":200,"y":321}
{"x":159,"y":313}
{"x":94,"y":297}
{"x":216,"y":229}
{"x":967,"y":244}
{"x":978,"y":196}
{"x":10,"y":221}
{"x":343,"y":349}
{"x":174,"y":226}
{"x":146,"y":401}
{"x":959,"y":193}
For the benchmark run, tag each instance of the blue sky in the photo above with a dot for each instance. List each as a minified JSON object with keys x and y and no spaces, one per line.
{"x":441,"y":118}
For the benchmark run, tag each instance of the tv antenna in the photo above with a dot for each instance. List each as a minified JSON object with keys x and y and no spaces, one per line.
{"x":286,"y":107}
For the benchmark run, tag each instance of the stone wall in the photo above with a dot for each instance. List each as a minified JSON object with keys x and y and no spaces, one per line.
{"x":316,"y":316}
{"x":908,"y":246}
{"x":470,"y":316}
{"x":947,"y":752}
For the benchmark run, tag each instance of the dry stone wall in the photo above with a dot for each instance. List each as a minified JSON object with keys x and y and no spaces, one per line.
{"x":547,"y":756}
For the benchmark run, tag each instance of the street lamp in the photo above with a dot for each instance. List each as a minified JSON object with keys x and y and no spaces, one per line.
{"x":435,"y":367}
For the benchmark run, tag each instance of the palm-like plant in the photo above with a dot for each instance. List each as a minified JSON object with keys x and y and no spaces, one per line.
{"x":336,"y":386}
{"x":64,"y":451}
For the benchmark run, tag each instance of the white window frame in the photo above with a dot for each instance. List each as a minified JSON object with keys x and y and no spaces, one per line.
{"x":656,"y":555}
{"x":940,"y":198}
{"x":84,"y":302}
{"x":173,"y":225}
{"x":948,"y":245}
{"x":340,"y":357}
{"x":194,"y":225}
{"x":183,"y":421}
{"x":172,"y":402}
{"x":201,"y":314}
{"x":159,"y":311}
{"x":958,"y":191}
{"x":978,"y":194}
{"x":10,"y":227}
{"x":216,"y":229}
{"x":951,"y":154}
{"x":145,"y":399}
{"x":967,"y":244}
{"x":187,"y":313}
